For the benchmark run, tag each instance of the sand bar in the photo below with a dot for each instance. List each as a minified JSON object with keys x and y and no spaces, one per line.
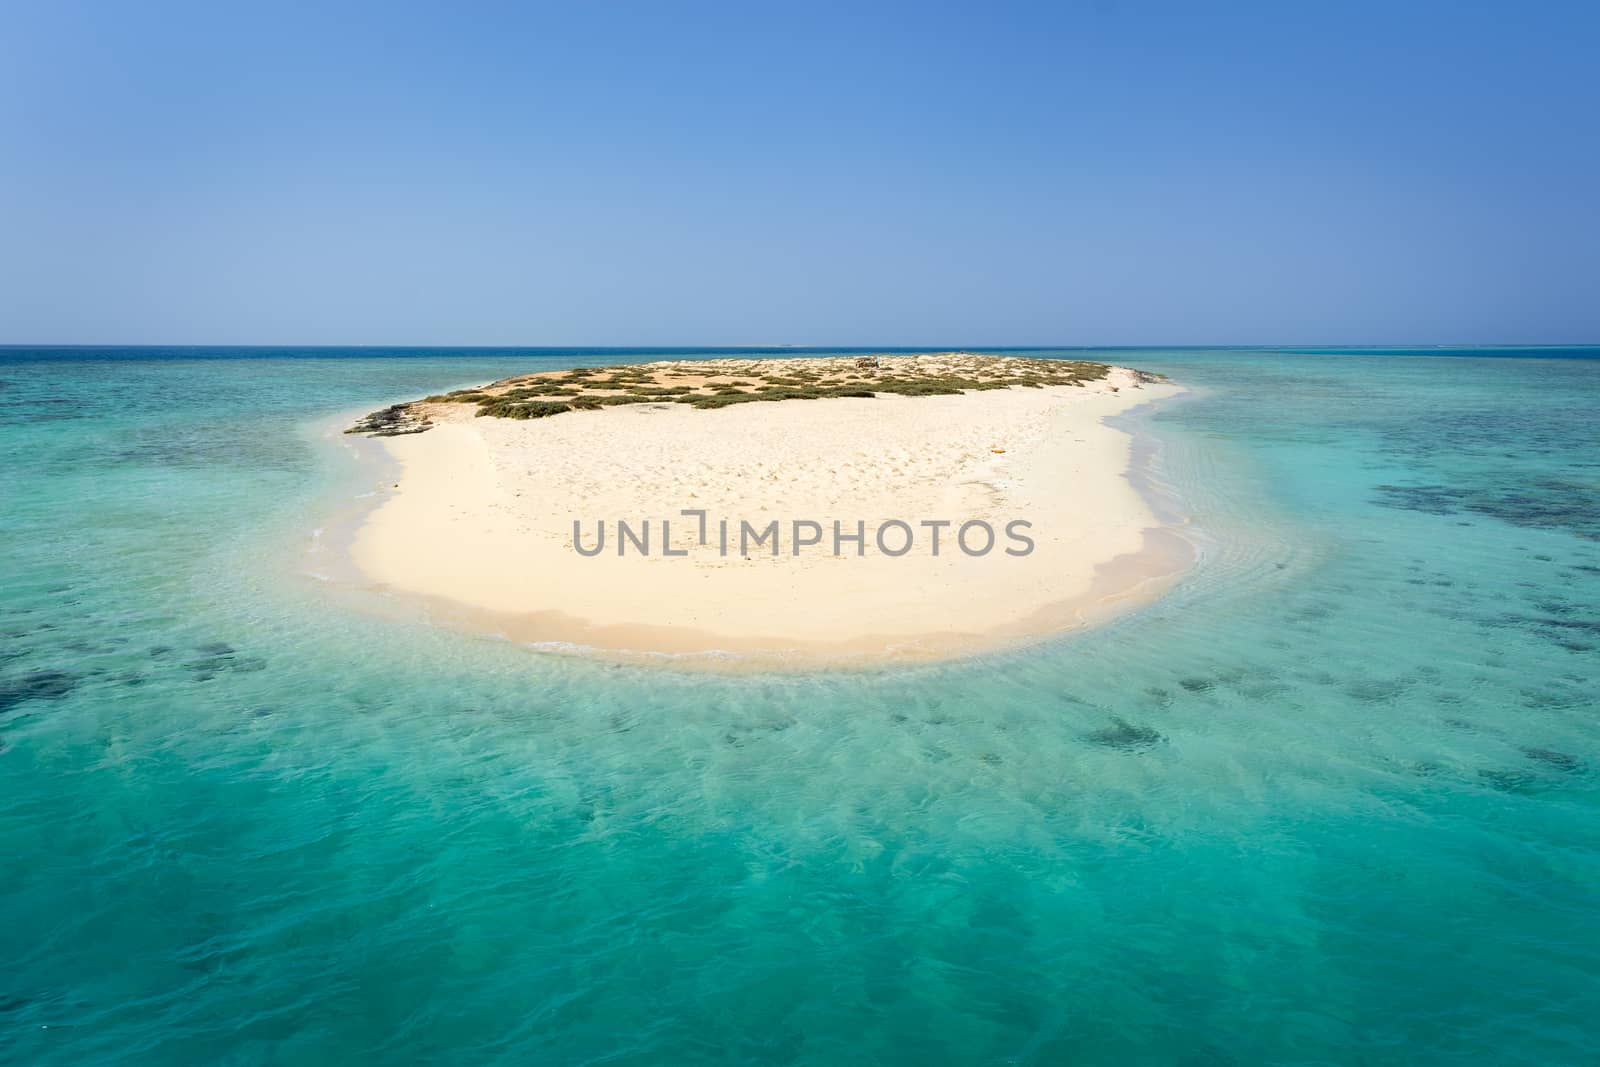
{"x":480,"y":527}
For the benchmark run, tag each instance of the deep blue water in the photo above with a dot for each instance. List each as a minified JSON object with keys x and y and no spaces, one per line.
{"x":1354,"y":819}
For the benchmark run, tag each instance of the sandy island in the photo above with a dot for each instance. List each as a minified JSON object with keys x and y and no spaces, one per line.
{"x":481,"y":523}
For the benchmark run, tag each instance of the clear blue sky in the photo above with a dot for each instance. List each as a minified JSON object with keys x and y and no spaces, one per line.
{"x":1119,"y":172}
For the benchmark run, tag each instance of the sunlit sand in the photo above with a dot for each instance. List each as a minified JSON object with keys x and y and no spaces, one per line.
{"x":481,"y":526}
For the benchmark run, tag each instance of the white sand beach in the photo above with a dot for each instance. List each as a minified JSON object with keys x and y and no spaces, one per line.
{"x":481,"y":524}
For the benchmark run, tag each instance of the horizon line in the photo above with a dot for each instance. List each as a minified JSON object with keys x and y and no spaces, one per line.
{"x":797,"y":347}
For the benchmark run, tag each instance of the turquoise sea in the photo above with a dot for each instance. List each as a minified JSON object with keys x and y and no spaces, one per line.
{"x":1335,"y":800}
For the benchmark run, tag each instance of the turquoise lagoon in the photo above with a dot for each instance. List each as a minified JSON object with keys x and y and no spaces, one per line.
{"x":1333,"y":800}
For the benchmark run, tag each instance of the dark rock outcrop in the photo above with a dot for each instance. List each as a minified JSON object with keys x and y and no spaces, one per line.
{"x":392,"y":421}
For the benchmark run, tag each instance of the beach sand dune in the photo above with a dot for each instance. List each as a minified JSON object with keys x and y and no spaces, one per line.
{"x":481,"y":524}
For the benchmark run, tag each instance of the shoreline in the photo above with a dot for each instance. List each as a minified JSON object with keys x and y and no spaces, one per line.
{"x":471,"y":558}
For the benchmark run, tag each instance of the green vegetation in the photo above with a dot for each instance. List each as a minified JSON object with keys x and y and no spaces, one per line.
{"x":723,"y":383}
{"x":461,"y":396}
{"x":523,"y":409}
{"x":720,"y":400}
{"x":663,"y":390}
{"x":590,"y":388}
